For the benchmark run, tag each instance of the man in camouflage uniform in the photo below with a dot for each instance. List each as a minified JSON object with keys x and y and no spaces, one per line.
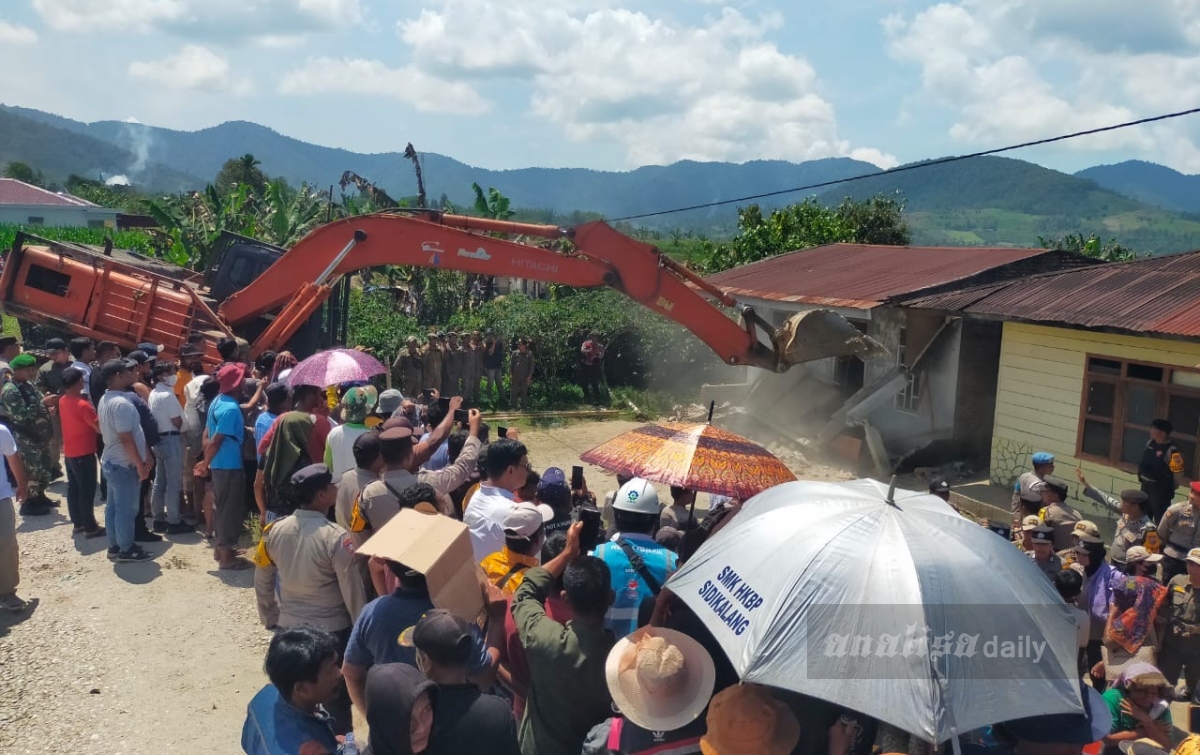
{"x":1181,"y":645}
{"x":452,"y":370}
{"x":431,"y":362}
{"x":29,"y":417}
{"x":49,"y":382}
{"x":521,"y":375}
{"x":408,"y":367}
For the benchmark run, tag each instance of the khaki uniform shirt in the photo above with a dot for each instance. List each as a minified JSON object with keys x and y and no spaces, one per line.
{"x":319,"y":583}
{"x":351,"y":484}
{"x":378,"y":504}
{"x":1062,"y":518}
{"x":431,"y":366}
{"x":1184,"y":610}
{"x":1179,"y":529}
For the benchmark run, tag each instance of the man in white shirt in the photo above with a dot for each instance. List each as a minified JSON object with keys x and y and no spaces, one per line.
{"x":84,"y":353}
{"x":506,"y":463}
{"x":10,"y":563}
{"x":168,"y":474}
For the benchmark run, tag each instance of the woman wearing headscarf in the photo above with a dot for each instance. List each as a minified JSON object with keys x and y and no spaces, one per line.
{"x":1094,"y":598}
{"x":286,"y":454}
{"x":399,"y":710}
{"x":1130,"y":636}
{"x":1139,"y":702}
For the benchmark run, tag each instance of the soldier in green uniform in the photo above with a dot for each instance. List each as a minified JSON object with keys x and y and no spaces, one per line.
{"x":1181,"y":645}
{"x":29,"y":416}
{"x":49,"y":382}
{"x":408,"y":367}
{"x":431,"y":362}
{"x":520,"y":375}
{"x":452,"y":369}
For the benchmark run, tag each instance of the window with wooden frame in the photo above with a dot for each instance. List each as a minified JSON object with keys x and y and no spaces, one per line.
{"x":1122,"y":397}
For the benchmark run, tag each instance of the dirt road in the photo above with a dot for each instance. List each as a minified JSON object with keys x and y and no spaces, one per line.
{"x":162,"y":656}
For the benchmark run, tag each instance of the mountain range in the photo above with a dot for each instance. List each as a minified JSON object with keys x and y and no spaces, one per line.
{"x":990,"y":200}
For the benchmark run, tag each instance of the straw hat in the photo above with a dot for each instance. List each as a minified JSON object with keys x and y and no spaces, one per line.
{"x":660,"y":679}
{"x":746,"y":720}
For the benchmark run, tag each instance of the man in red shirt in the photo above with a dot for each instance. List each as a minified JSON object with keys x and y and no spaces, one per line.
{"x":80,"y":429}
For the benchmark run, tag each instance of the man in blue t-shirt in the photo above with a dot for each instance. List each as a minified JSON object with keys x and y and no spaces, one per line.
{"x":225,"y":431}
{"x":635,"y":513}
{"x":288,"y":715}
{"x":380,"y":635}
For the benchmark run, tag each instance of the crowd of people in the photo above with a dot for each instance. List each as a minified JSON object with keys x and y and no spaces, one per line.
{"x":580,"y":647}
{"x":473,"y":365}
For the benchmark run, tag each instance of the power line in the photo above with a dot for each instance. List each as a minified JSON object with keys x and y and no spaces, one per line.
{"x":915,"y":166}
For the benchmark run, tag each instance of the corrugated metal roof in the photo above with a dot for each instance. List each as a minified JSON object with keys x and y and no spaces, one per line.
{"x":17,"y":192}
{"x":1158,"y":295}
{"x":862,"y":276}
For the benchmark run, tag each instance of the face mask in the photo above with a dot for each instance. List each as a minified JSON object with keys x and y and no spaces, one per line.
{"x":170,"y":380}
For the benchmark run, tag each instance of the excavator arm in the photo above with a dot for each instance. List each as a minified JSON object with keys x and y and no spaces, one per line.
{"x":302,"y":279}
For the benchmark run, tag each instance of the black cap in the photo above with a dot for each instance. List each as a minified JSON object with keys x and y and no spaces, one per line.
{"x":444,"y":637}
{"x":150,"y":349}
{"x":114,"y":367}
{"x":366,"y":449}
{"x":138,"y":356}
{"x":396,"y":434}
{"x":939,"y":486}
{"x":276,"y":393}
{"x":1057,"y":485}
{"x":191,"y":351}
{"x":1158,"y":424}
{"x":71,"y":376}
{"x":56,"y":344}
{"x":1133,"y":495}
{"x":1043,"y":534}
{"x":311,"y":480}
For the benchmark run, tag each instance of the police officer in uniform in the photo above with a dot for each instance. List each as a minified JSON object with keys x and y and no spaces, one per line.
{"x":1157,"y":471}
{"x":1043,"y":554}
{"x":521,"y":366}
{"x":1056,"y":513}
{"x":452,"y":371}
{"x":1179,"y":531}
{"x":1025,"y":532}
{"x":1027,"y":497}
{"x":1084,"y":532}
{"x":319,"y":582}
{"x":1181,"y":645}
{"x":431,"y":362}
{"x":1134,"y":528}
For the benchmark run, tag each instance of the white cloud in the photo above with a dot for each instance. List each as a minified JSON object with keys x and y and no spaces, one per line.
{"x":665,"y":90}
{"x":1013,"y":70}
{"x":193,"y":68}
{"x":423,"y":91}
{"x":13,"y":34}
{"x":217,"y":19}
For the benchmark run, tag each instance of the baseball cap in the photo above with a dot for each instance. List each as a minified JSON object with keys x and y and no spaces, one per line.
{"x":444,"y":637}
{"x":939,"y":486}
{"x":114,"y":367}
{"x":553,"y":476}
{"x":1193,"y":555}
{"x":1031,"y":522}
{"x":1138,"y":554}
{"x":1087,"y":532}
{"x":56,"y":344}
{"x":525,"y":520}
{"x":150,"y":349}
{"x":1042,"y":457}
{"x":71,"y":376}
{"x":138,"y":356}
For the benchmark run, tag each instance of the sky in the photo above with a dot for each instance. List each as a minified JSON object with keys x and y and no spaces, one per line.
{"x":615,"y":84}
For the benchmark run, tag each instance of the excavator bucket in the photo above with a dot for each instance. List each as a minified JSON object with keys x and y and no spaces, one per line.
{"x":819,"y":334}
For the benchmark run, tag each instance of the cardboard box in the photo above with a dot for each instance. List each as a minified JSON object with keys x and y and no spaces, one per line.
{"x":440,"y":548}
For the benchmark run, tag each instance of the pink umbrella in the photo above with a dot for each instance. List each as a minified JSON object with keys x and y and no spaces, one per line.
{"x":335,"y":366}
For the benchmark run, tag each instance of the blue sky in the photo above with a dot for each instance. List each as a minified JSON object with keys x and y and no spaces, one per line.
{"x":613,"y":84}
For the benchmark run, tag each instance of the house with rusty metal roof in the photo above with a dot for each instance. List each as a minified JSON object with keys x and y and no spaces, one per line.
{"x":29,"y":205}
{"x":1089,"y":358}
{"x":926,"y":384}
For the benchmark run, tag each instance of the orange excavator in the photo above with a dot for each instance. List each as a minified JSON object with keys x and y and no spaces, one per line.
{"x":269,"y":296}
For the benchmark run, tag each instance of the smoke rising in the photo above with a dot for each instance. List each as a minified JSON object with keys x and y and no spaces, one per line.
{"x":138,"y":140}
{"x":119,"y":180}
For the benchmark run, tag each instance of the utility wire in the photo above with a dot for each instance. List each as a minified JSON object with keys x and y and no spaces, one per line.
{"x":915,"y":166}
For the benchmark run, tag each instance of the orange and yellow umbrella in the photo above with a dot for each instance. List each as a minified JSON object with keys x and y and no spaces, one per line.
{"x":695,"y":456}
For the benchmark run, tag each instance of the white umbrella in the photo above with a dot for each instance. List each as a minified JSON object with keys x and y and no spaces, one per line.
{"x":826,"y":588}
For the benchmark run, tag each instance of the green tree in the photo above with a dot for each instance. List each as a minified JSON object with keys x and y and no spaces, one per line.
{"x":241,"y":171}
{"x":1092,"y":246}
{"x":877,"y":220}
{"x":288,"y":214}
{"x":492,"y":205}
{"x":23,"y":172}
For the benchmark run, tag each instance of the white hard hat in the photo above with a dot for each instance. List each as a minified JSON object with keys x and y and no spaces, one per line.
{"x":637,"y":496}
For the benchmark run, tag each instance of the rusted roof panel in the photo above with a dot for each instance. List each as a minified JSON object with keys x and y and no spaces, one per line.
{"x":862,"y":276}
{"x":1158,"y":295}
